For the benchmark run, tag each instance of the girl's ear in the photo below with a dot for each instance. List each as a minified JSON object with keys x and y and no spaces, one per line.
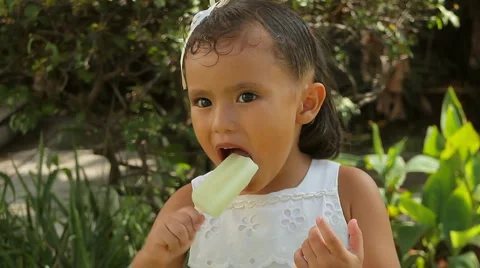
{"x":312,"y":100}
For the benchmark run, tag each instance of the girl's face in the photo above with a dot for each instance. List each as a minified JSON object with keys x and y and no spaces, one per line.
{"x":245,"y":101}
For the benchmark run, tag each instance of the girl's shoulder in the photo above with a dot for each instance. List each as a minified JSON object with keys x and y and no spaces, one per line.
{"x":357,"y":190}
{"x":362,"y":201}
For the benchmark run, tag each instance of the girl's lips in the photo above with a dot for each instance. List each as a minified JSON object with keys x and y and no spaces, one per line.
{"x":225,"y":149}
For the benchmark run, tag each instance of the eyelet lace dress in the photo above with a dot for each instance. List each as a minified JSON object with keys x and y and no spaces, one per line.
{"x":264,"y":231}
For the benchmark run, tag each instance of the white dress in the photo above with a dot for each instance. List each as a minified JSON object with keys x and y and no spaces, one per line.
{"x":264,"y":231}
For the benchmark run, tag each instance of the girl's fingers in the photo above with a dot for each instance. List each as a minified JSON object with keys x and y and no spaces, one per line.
{"x":188,"y":221}
{"x":332,"y":242}
{"x":299,"y":260}
{"x":308,"y":253}
{"x":196,"y":217}
{"x":318,"y":244}
{"x":169,"y":237}
{"x":356,"y":238}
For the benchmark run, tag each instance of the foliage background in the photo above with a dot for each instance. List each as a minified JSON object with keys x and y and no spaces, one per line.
{"x":108,"y":72}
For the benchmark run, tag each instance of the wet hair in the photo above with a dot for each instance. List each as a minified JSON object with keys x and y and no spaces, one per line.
{"x":295,"y":45}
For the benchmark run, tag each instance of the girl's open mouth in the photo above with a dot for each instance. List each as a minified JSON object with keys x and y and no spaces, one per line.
{"x":225,"y":152}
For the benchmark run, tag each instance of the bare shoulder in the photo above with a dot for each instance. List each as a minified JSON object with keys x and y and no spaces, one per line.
{"x":361,"y":200}
{"x":357,"y":189}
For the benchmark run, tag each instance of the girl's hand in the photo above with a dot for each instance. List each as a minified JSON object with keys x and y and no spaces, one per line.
{"x":324,"y":249}
{"x":170,"y":237}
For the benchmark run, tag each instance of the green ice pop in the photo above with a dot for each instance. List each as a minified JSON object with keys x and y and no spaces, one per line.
{"x":214,"y":194}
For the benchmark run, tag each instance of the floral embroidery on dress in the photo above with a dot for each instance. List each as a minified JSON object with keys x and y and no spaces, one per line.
{"x":248,"y":225}
{"x":331,"y":213}
{"x":292,"y":219}
{"x":211,"y":227}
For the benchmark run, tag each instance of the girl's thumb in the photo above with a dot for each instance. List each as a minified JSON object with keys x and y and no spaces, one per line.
{"x":356,"y":238}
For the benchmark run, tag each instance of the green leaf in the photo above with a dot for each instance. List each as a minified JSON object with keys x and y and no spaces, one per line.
{"x":449,"y":16}
{"x":7,"y":182}
{"x":377,"y":163}
{"x":460,"y":239}
{"x":416,"y":260}
{"x":383,"y":194}
{"x":417,"y":211}
{"x":350,"y":160}
{"x":395,"y":177}
{"x":159,"y":3}
{"x":466,"y":141}
{"x":452,"y":122}
{"x":423,"y":163}
{"x":31,"y":11}
{"x":407,"y":235}
{"x":458,"y":215}
{"x":393,"y":154}
{"x":54,"y":51}
{"x":377,"y":141}
{"x":434,"y":142}
{"x":467,"y":260}
{"x":475,"y":241}
{"x":452,"y":115}
{"x":476,"y":193}
{"x":472,"y":172}
{"x":438,"y":187}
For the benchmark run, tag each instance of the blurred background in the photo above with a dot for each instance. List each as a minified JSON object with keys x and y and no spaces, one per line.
{"x":95,"y":134}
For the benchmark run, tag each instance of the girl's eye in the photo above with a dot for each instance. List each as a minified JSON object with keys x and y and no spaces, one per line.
{"x":203,"y":102}
{"x":247,"y":97}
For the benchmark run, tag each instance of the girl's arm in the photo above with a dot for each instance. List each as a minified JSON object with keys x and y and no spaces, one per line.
{"x":181,"y":199}
{"x":361,"y":200}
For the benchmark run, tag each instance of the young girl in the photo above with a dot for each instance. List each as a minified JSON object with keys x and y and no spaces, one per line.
{"x":258,"y":86}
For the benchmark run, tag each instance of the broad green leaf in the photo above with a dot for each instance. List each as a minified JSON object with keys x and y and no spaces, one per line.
{"x":458,"y":213}
{"x":476,"y":193}
{"x":434,"y":142}
{"x":466,"y":141}
{"x":439,"y":186}
{"x":407,"y":235}
{"x":393,"y":154}
{"x":475,"y":241}
{"x":377,"y":140}
{"x":472,"y":172}
{"x":452,"y":116}
{"x":417,"y":211}
{"x":373,"y":161}
{"x":452,"y":122}
{"x":422,"y":163}
{"x":467,"y":260}
{"x":395,"y":177}
{"x":460,"y":239}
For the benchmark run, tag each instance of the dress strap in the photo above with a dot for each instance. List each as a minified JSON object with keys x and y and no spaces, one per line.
{"x":323,"y":175}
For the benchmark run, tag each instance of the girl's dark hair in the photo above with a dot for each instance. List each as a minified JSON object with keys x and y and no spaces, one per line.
{"x":296,"y":46}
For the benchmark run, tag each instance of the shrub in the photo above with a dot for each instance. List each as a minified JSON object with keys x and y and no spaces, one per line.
{"x":440,"y":223}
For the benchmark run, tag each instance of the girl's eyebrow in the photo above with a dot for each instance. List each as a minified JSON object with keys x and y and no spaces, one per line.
{"x":243,"y":86}
{"x":235,"y":88}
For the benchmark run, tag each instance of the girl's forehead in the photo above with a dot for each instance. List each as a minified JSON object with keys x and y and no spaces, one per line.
{"x":249,"y":54}
{"x":251,"y":37}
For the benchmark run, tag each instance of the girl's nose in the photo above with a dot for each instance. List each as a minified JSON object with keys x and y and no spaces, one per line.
{"x":224,"y":118}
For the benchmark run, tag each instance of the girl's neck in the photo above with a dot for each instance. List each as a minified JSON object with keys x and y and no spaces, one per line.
{"x":291,"y":174}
